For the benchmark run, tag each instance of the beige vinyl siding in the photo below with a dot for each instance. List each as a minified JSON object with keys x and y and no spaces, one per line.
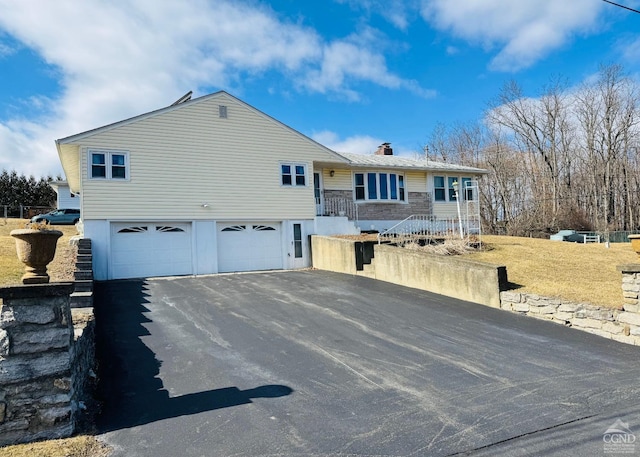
{"x":342,"y":179}
{"x":447,"y":210}
{"x":416,"y":181}
{"x":183,"y":158}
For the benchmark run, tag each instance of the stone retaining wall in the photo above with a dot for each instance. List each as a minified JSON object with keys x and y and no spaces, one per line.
{"x":621,"y":325}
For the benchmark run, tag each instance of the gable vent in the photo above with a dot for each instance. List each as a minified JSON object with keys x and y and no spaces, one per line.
{"x":222,"y":111}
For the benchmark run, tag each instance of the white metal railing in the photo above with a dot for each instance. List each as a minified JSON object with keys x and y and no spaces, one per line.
{"x":338,"y":207}
{"x":426,"y":229}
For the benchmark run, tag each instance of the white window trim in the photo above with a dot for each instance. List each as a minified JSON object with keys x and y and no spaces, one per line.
{"x":461,"y":192}
{"x":378,"y":200}
{"x":108,"y":153}
{"x":293,"y":166}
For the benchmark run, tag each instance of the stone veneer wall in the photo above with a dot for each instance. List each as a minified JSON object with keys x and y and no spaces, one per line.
{"x":47,"y":362}
{"x":36,"y":336}
{"x":418,"y":203}
{"x":621,"y":325}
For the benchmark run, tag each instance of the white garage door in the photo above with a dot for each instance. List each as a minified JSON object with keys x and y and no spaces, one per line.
{"x":150,"y":249}
{"x":248,"y":246}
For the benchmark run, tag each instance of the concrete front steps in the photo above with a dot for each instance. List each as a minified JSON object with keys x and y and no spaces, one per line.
{"x":82,"y":296}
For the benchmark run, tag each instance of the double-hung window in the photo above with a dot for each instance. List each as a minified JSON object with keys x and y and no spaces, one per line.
{"x":293,"y":174}
{"x":444,"y":190}
{"x":379,"y":186}
{"x":466,"y":189}
{"x":108,"y":165}
{"x":438,"y":189}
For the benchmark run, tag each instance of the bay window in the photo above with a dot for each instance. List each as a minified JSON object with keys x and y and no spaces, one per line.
{"x":379,"y":186}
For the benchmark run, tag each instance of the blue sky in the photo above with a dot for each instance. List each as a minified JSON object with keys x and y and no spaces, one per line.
{"x":348,"y":73}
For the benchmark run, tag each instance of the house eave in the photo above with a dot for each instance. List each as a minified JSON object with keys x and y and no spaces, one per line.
{"x":69,"y":155}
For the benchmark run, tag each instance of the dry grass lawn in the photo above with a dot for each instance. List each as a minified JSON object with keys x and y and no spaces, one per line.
{"x":78,"y":446}
{"x":576,"y":272}
{"x":11,"y":269}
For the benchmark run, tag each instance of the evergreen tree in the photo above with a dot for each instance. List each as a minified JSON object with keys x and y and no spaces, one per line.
{"x":17,"y":190}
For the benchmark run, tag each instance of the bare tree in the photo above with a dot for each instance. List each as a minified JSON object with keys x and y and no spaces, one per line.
{"x":539,"y":126}
{"x":567,"y":158}
{"x":608,"y":118}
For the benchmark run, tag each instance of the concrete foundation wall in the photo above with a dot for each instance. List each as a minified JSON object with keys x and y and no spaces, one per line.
{"x":333,"y":254}
{"x":459,"y":278}
{"x":464,"y":279}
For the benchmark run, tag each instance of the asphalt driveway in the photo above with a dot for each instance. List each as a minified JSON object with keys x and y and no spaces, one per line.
{"x":312,"y":363}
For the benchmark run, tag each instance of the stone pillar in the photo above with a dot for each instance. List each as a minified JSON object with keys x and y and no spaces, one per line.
{"x":630,"y":315}
{"x":36,"y":335}
{"x":630,"y":286}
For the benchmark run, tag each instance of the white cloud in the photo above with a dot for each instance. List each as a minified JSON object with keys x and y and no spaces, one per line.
{"x":5,"y":50}
{"x":117,"y":60}
{"x":630,"y":50}
{"x":397,"y":12}
{"x":523,"y":30}
{"x":452,"y":50}
{"x":358,"y":144}
{"x":344,"y":59}
{"x":357,"y":57}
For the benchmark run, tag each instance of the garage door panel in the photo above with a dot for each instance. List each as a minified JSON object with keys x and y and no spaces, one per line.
{"x":150,"y":249}
{"x":249,"y":246}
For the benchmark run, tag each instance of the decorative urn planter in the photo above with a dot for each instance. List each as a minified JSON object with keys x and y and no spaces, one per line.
{"x":36,"y":249}
{"x":635,"y":243}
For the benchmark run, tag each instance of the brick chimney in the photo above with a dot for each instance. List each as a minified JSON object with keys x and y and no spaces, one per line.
{"x":384,"y":150}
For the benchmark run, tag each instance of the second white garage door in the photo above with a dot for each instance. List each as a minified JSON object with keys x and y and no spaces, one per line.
{"x":248,"y":246}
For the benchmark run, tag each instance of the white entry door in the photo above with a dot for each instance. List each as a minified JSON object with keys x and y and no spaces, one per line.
{"x":299,"y":246}
{"x":249,"y":246}
{"x":318,"y":194}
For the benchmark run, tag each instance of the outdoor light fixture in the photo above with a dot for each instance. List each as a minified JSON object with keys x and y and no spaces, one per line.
{"x":205,"y":205}
{"x":331,"y":173}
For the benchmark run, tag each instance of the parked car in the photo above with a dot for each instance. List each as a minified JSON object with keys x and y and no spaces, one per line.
{"x":59,"y":216}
